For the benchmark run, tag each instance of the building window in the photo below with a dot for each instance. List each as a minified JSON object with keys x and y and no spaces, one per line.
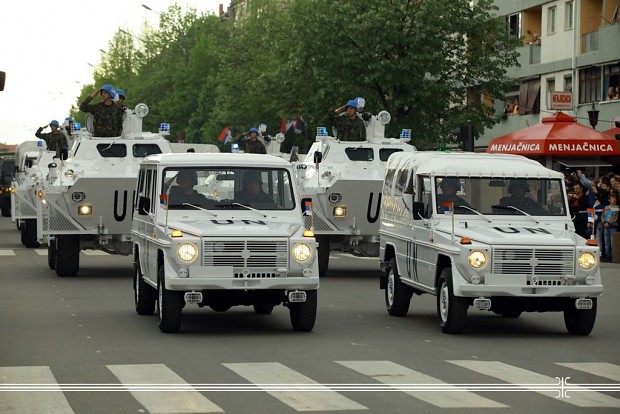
{"x":551,"y":85}
{"x":514,"y":24}
{"x":611,"y":79}
{"x":589,"y":85}
{"x":568,"y":19}
{"x":551,"y":12}
{"x":529,"y":97}
{"x":568,"y":84}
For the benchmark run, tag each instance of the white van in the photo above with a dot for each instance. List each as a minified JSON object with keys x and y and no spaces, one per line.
{"x":221,"y":230}
{"x":487,"y":230}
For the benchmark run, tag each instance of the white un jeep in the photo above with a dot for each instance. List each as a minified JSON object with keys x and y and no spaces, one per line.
{"x":483,"y":230}
{"x":221,"y":230}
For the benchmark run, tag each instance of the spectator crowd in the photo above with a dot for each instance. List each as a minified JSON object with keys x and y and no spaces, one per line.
{"x":593,"y":205}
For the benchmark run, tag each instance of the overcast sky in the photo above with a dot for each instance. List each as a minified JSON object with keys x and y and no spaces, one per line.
{"x":46,"y":48}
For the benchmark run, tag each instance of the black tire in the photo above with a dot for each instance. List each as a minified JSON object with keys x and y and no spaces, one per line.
{"x":145,"y":296}
{"x":6,"y":211}
{"x":169,"y":306}
{"x":220,"y":307}
{"x":580,"y":321}
{"x":397,"y":294}
{"x":263,"y":308}
{"x":452,"y":310}
{"x":303,"y":314}
{"x":29,"y":233}
{"x":51,"y":253}
{"x":67,"y":255}
{"x":323,"y":254}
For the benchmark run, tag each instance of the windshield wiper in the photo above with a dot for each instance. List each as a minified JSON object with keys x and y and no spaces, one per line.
{"x":519,"y":210}
{"x":242,"y":205}
{"x":197,"y":208}
{"x":475,"y":211}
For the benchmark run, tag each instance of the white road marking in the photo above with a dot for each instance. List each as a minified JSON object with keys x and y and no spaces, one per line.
{"x":19,"y":402}
{"x":162,"y":402}
{"x":5,"y":252}
{"x":95,"y":253}
{"x":388,"y":372}
{"x":276,"y":373}
{"x":41,"y":252}
{"x":601,"y":369}
{"x":516,"y":375}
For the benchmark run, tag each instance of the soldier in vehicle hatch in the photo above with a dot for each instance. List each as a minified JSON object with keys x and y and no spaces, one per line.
{"x":55,"y":140}
{"x":108,"y":117}
{"x":349,"y":127}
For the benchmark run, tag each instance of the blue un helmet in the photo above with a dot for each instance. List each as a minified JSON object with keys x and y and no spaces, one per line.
{"x":110,"y":90}
{"x":352,"y":103}
{"x":120,"y":93}
{"x":254,"y":129}
{"x":54,"y":123}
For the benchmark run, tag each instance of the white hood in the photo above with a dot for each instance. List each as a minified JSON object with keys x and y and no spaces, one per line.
{"x":208,"y":226}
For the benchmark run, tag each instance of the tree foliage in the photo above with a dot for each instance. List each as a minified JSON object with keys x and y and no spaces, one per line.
{"x":429,"y":63}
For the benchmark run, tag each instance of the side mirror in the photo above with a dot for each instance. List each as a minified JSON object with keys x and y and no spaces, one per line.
{"x":318,"y":157}
{"x":418,"y":211}
{"x":144,"y":205}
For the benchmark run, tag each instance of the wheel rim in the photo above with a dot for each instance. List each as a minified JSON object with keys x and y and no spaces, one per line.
{"x":390,"y":288}
{"x":444,"y":302}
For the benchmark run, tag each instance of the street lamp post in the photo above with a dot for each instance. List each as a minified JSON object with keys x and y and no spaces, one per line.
{"x":179,"y":28}
{"x":593,"y":116}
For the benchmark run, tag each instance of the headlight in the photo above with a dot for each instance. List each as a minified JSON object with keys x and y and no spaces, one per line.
{"x":587,"y":260}
{"x":477,"y":259}
{"x":85,"y":210}
{"x":302,"y":252}
{"x":340,"y":211}
{"x":187,"y":252}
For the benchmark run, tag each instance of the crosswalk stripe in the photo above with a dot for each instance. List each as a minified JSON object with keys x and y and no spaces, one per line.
{"x":18,"y":402}
{"x":601,"y":369}
{"x":516,"y":375}
{"x":41,"y":252}
{"x":95,"y":253}
{"x":5,"y":252}
{"x":388,"y":372}
{"x":162,"y":402}
{"x":276,"y":373}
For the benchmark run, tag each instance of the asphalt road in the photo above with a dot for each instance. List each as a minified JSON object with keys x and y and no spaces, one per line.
{"x":81,"y":343}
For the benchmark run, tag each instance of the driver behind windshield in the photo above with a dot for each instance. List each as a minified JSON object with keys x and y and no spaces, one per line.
{"x":449,"y":188}
{"x":517,"y":198}
{"x":184,"y":191}
{"x":253,"y":189}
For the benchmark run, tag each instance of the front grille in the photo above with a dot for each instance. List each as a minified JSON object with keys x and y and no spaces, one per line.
{"x":536,"y":261}
{"x":268,"y":254}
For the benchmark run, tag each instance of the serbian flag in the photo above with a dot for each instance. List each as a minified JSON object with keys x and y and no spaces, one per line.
{"x":283,"y":126}
{"x":306,"y":207}
{"x":591,"y":215}
{"x":163,"y":200}
{"x":448,"y":207}
{"x":224,"y":135}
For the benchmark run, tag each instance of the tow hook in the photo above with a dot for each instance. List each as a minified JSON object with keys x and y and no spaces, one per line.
{"x":482,"y":303}
{"x":297,"y":296}
{"x":583,"y":303}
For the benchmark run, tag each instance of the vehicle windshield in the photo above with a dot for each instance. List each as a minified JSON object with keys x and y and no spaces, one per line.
{"x":228,"y":188}
{"x":500,"y":196}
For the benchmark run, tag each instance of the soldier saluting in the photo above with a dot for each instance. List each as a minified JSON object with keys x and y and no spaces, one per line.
{"x":55,"y":140}
{"x":108,"y":117}
{"x":349,"y":127}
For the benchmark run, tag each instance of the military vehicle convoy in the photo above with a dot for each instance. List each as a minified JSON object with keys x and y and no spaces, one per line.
{"x":484,"y":230}
{"x":344,"y":179}
{"x":86,"y":201}
{"x":221,"y":230}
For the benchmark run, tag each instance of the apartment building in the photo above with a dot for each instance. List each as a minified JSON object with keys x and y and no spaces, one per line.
{"x":568,"y":45}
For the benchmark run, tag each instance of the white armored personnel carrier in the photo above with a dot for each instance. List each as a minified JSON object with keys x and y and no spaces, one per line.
{"x":86,"y":202}
{"x":221,"y":230}
{"x":33,"y":165}
{"x":344,"y":179}
{"x":484,"y":230}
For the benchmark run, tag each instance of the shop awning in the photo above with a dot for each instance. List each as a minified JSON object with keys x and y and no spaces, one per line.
{"x":557,"y":135}
{"x":582,"y":162}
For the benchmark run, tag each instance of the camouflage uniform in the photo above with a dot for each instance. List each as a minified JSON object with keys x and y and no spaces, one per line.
{"x":348,"y":129}
{"x":108,"y":119}
{"x":254,"y":147}
{"x":55,"y":142}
